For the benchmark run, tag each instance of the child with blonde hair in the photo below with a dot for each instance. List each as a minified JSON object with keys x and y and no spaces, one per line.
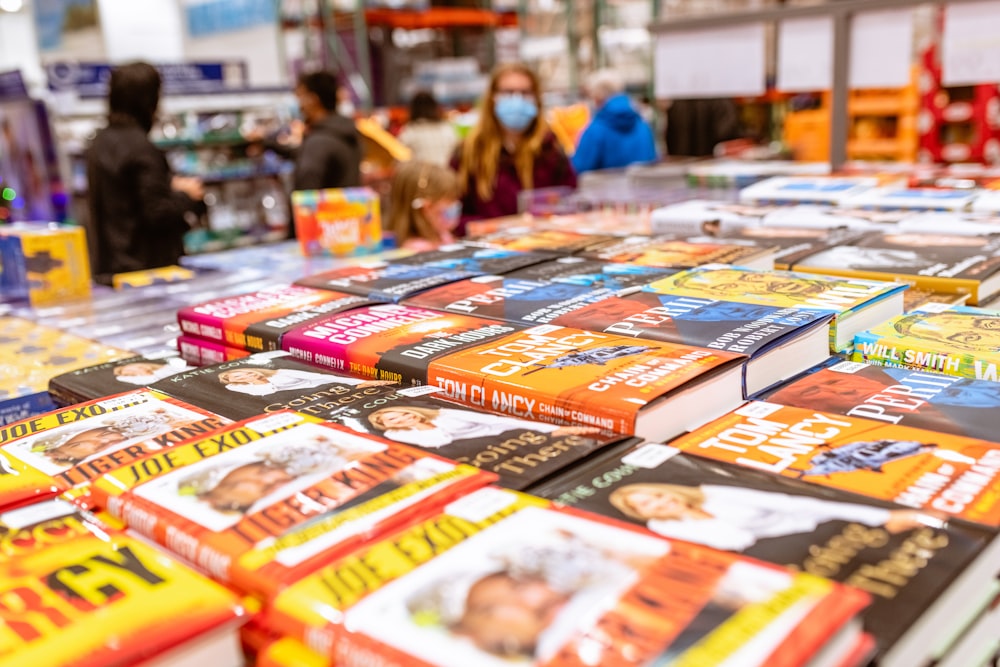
{"x":423,"y":206}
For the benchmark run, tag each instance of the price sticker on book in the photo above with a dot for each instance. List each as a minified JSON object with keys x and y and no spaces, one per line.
{"x":848,"y":367}
{"x":478,"y":506}
{"x":274,"y":422}
{"x":422,"y":390}
{"x":127,"y":400}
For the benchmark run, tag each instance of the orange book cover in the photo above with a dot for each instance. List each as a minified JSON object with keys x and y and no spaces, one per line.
{"x":70,"y":448}
{"x":563,"y":375}
{"x":266,"y":501}
{"x":935,"y":472}
{"x":76,"y":592}
{"x":669,"y":252}
{"x":498,"y":578}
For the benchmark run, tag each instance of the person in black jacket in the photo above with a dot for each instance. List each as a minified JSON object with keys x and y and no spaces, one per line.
{"x":138,"y":211}
{"x":329,"y":155}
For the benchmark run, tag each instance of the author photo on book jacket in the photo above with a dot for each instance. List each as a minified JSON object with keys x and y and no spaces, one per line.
{"x":734,"y":518}
{"x":267,"y":381}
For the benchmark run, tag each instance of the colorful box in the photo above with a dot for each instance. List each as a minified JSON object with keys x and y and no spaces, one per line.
{"x":44,"y":263}
{"x":338,"y":222}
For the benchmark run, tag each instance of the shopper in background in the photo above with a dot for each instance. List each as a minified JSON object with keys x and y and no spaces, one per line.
{"x":510,"y":149}
{"x":138,"y":212}
{"x":328,"y":154}
{"x":694,"y":127}
{"x":617,"y":135}
{"x":423,"y":206}
{"x":431,"y":138}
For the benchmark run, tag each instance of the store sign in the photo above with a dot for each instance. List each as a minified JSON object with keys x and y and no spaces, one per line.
{"x":91,"y":79}
{"x":805,"y":54}
{"x":12,"y":86}
{"x":721,"y":62}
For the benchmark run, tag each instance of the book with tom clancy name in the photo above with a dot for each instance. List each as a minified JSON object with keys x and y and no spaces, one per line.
{"x":499,"y":578}
{"x":266,"y":501}
{"x":903,"y":396}
{"x":638,"y":387}
{"x":856,"y":304}
{"x":405,"y":276}
{"x":819,"y":530}
{"x":70,"y":448}
{"x":669,"y":252}
{"x":921,"y":469}
{"x":961,"y":340}
{"x":389,"y":341}
{"x":78,"y":592}
{"x":256,"y":321}
{"x":780,"y":342}
{"x":113,"y":377}
{"x":960,"y":264}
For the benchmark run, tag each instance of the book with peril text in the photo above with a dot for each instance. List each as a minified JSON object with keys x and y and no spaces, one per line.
{"x":71,"y":447}
{"x":264,"y":502}
{"x":79,"y":593}
{"x":498,"y":578}
{"x":647,"y":388}
{"x":918,"y":568}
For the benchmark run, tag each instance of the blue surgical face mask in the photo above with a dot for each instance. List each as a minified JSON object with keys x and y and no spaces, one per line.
{"x":515,"y":112}
{"x":451,"y":214}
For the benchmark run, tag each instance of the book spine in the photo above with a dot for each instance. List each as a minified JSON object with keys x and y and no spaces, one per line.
{"x":198,"y":324}
{"x":320,"y":353}
{"x":204,"y":352}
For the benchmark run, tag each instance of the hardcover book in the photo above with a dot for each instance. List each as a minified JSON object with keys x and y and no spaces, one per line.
{"x":810,"y":528}
{"x":560,"y":375}
{"x":918,"y":398}
{"x":791,"y":243}
{"x":960,"y":341}
{"x":405,"y":276}
{"x":941,"y":262}
{"x":533,"y":239}
{"x":113,"y":377}
{"x":855,"y":304}
{"x":593,"y":273}
{"x":665,"y":251}
{"x":711,"y":218}
{"x":919,"y":199}
{"x":827,"y":190}
{"x":914,"y":467}
{"x":780,"y":342}
{"x":200,"y":352}
{"x":77,"y":592}
{"x":499,"y":578}
{"x":257,"y":320}
{"x":389,"y":341}
{"x":261,"y":504}
{"x":70,"y":448}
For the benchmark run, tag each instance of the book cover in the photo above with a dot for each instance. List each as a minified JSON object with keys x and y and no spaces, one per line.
{"x":113,"y":377}
{"x":404,"y":276}
{"x":200,"y":352}
{"x":701,"y":216}
{"x":268,"y":382}
{"x":255,"y":321}
{"x":942,"y":262}
{"x":44,"y":263}
{"x":564,"y":375}
{"x":533,"y":239}
{"x":511,"y":299}
{"x":77,"y":592}
{"x":500,"y":579}
{"x":914,"y":467}
{"x":337,"y":221}
{"x":855,"y":303}
{"x":70,"y":448}
{"x":673,"y":253}
{"x":779,"y":342}
{"x":521,"y":451}
{"x":389,"y":341}
{"x":960,"y":341}
{"x":920,"y":299}
{"x":829,"y":217}
{"x":261,"y":504}
{"x":920,"y":199}
{"x":288,"y":652}
{"x":593,"y":273}
{"x":828,"y":190}
{"x":922,"y":399}
{"x":810,"y":528}
{"x":791,"y":243}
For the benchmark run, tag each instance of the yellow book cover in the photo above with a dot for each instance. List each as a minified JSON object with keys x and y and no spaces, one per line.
{"x":45,"y":263}
{"x":79,"y":593}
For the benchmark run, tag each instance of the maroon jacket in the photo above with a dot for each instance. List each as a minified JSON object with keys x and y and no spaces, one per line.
{"x":552,"y":168}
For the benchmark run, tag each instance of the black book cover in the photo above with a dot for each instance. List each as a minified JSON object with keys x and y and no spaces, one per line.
{"x":904,"y":558}
{"x":520,"y":451}
{"x":593,"y":273}
{"x":792,"y":243}
{"x":113,"y":377}
{"x":395,"y":280}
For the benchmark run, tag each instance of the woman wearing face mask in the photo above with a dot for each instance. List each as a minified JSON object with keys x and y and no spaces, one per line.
{"x":511,"y":148}
{"x":423,"y":206}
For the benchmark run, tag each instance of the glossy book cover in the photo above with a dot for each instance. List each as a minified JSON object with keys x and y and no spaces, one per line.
{"x":673,"y":253}
{"x":113,"y":377}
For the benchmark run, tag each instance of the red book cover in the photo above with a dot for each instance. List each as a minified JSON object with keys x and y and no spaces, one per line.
{"x":389,"y":342}
{"x":201,"y":352}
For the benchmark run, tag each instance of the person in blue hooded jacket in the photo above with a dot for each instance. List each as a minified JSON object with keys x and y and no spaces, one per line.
{"x":617,"y":136}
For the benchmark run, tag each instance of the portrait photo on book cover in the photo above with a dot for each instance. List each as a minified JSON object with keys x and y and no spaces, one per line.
{"x":148,"y":371}
{"x":59,"y":449}
{"x":217,"y":492}
{"x":966,"y":330}
{"x":262,"y":381}
{"x":435,"y":424}
{"x":779,"y":288}
{"x":517,"y":592}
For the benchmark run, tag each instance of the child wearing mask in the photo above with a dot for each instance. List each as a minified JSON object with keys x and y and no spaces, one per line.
{"x":510,"y":149}
{"x":423,"y":206}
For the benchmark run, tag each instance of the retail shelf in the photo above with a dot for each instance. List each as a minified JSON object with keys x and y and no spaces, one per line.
{"x":440,"y":17}
{"x":890,"y":147}
{"x":887,"y":105}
